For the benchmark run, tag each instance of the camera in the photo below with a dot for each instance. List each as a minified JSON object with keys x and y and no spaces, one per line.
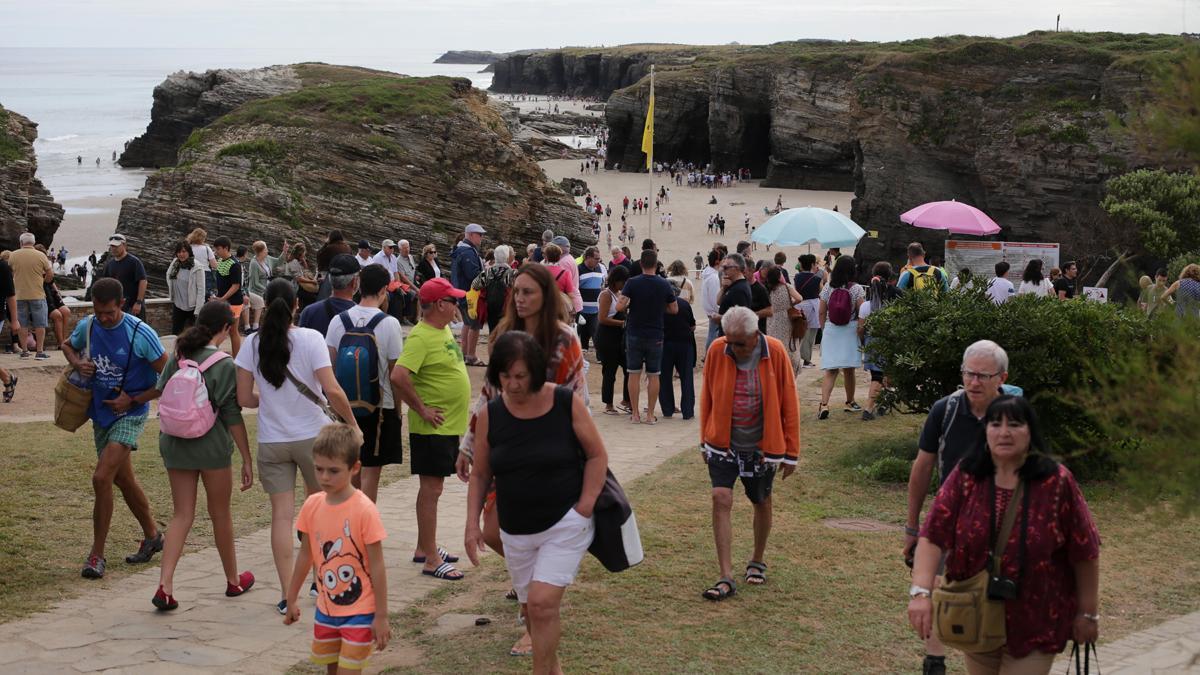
{"x":1002,"y":588}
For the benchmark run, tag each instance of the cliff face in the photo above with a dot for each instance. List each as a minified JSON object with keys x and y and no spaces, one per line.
{"x":186,"y":101}
{"x":25,"y":204}
{"x":467,"y":56}
{"x":1018,"y":127}
{"x":376,"y":156}
{"x":590,"y":73}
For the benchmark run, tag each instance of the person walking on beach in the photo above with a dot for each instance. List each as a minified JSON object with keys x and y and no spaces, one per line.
{"x":31,"y":271}
{"x":206,"y":457}
{"x":749,"y":428}
{"x":122,"y":356}
{"x":342,"y":534}
{"x":281,"y":372}
{"x":465,"y":264}
{"x":951,"y":430}
{"x":645,"y":299}
{"x":431,"y":377}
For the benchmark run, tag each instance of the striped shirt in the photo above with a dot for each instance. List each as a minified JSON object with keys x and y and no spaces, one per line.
{"x":591,"y":282}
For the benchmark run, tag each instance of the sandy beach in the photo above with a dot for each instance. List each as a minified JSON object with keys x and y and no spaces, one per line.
{"x":690,"y":210}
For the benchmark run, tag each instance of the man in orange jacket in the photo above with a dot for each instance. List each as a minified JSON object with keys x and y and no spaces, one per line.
{"x":749,"y":427}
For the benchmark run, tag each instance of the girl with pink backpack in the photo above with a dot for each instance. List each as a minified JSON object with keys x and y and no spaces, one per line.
{"x":200,"y":422}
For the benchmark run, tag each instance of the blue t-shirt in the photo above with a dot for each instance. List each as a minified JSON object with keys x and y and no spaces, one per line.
{"x":318,"y":315}
{"x":649,"y":296}
{"x":110,"y":352}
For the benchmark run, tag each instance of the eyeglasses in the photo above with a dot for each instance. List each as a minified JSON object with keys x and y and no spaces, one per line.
{"x":730,"y":267}
{"x":969,"y":375}
{"x":431,"y":253}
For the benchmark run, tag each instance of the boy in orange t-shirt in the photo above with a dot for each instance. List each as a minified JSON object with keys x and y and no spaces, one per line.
{"x":341,"y":529}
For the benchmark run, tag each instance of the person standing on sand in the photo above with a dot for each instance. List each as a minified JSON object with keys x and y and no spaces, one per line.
{"x":123,"y":357}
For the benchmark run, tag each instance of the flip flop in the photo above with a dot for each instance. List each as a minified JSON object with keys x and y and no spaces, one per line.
{"x":442,"y":552}
{"x":443,"y":572}
{"x":474,"y":361}
{"x":650,"y":420}
{"x":614,"y":411}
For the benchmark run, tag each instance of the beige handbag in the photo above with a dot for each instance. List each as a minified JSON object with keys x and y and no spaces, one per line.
{"x":73,"y":393}
{"x":964,"y":617}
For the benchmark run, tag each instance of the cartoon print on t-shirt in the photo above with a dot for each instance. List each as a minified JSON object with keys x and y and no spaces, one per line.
{"x":342,"y":570}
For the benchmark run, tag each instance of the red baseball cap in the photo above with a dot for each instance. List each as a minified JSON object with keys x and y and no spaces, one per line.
{"x":438,"y":289}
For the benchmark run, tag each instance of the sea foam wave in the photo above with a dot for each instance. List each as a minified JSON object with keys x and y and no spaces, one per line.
{"x":53,"y":139}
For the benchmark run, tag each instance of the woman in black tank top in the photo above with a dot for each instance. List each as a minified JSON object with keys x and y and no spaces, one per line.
{"x":539,"y":443}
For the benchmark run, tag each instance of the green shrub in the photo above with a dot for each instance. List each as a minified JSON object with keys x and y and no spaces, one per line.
{"x":10,"y":149}
{"x":265,"y":149}
{"x":887,"y":470}
{"x":1071,"y":134}
{"x":1051,"y":346}
{"x":1175,"y":267}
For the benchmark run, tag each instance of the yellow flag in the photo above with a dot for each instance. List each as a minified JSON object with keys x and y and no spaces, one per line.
{"x":648,"y":134}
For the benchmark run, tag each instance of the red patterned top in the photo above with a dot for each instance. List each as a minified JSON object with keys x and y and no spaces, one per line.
{"x":1061,"y":533}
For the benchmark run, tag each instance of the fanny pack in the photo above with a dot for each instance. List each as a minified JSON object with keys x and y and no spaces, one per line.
{"x":969,"y":614}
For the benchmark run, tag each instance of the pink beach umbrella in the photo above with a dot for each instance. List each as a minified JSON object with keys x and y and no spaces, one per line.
{"x":956,"y":217}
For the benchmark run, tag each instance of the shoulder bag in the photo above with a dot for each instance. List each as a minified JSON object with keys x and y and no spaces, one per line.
{"x":966,"y":615}
{"x":310,"y":395}
{"x":73,"y":392}
{"x":1082,"y":659}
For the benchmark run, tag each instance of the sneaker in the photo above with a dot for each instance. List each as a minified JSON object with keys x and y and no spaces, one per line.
{"x":245,"y":581}
{"x":42,"y":356}
{"x":162,"y":601}
{"x":853,"y":407}
{"x":312,"y":590}
{"x":867,"y":416}
{"x":94,"y":567}
{"x":25,"y":354}
{"x":282,"y":607}
{"x":147,"y":550}
{"x":934,"y":665}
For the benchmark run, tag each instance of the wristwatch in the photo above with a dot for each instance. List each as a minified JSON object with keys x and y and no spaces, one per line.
{"x":916,"y":591}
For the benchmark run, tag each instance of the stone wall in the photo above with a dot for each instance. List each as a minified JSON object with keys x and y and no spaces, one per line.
{"x":157,"y":314}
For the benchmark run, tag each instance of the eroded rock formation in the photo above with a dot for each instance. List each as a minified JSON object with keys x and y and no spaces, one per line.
{"x":25,"y":204}
{"x":468,"y":56}
{"x":378,"y":156}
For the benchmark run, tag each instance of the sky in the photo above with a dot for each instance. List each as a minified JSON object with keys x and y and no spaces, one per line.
{"x":504,"y":25}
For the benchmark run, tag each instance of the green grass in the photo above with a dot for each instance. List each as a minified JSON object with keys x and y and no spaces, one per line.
{"x":1072,"y":134}
{"x":10,"y":148}
{"x":46,"y":513}
{"x":368,"y":100}
{"x":265,"y":150}
{"x":834,"y":602}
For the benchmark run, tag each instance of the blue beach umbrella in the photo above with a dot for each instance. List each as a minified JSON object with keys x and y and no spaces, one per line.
{"x":795,"y":227}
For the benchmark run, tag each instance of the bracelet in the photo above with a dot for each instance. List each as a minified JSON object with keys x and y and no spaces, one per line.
{"x":912,"y":531}
{"x":470,"y":455}
{"x":1094,"y":618}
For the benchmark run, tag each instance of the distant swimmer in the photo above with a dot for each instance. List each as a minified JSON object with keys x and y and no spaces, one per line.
{"x":79,"y":159}
{"x":97,"y":161}
{"x":114,"y":155}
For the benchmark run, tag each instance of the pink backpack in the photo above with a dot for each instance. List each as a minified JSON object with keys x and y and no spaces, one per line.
{"x":184,"y":410}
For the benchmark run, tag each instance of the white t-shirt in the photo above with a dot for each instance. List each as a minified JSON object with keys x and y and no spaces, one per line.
{"x":284,"y":414}
{"x":1000,"y":290}
{"x":1045,"y":288}
{"x":388,"y":261}
{"x":864,"y":310}
{"x":203,"y":255}
{"x":388,"y":337}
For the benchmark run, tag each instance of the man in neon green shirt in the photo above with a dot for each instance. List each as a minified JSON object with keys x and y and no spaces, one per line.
{"x":431,"y":378}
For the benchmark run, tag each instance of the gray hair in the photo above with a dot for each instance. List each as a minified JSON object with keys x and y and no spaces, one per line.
{"x":738,"y":260}
{"x":988,"y":348}
{"x":402,"y":243}
{"x":341,"y":281}
{"x":27,"y":239}
{"x":502,"y":254}
{"x":615,"y":250}
{"x":547,"y":235}
{"x":739,"y":321}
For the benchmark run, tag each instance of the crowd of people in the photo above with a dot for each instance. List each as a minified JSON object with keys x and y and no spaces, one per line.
{"x":327,"y":346}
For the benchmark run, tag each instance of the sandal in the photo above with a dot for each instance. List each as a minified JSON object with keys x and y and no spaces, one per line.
{"x":823,"y":411}
{"x":650,"y":420}
{"x":474,"y":361}
{"x":442,"y":552}
{"x":756,"y":573}
{"x":526,"y":650}
{"x":10,"y":389}
{"x":511,"y":594}
{"x":716,"y":593}
{"x":613,"y":411}
{"x":444,"y":571}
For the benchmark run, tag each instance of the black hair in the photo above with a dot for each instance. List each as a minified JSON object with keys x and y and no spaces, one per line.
{"x":107,"y":290}
{"x":1160,"y":272}
{"x":334,"y":237}
{"x":1038,"y":464}
{"x":617,"y":274}
{"x":807,"y":261}
{"x":242,"y":250}
{"x":880,"y":293}
{"x":372,"y":279}
{"x":743,"y":246}
{"x":774,"y":278}
{"x":1033,"y":272}
{"x":182,"y":245}
{"x":648,"y":244}
{"x":1002,"y":268}
{"x":213,"y":316}
{"x":714,"y":257}
{"x":649,"y":259}
{"x":222,"y":242}
{"x":274,"y":349}
{"x":513,"y":346}
{"x":843,"y":273}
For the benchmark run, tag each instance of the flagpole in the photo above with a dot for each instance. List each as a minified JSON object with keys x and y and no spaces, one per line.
{"x":650,"y":156}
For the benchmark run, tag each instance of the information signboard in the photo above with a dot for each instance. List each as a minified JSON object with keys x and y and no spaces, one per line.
{"x":981,"y":257}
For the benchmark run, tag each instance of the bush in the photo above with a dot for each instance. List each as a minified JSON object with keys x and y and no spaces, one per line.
{"x":887,"y":470}
{"x":1051,"y":345}
{"x":1175,"y":267}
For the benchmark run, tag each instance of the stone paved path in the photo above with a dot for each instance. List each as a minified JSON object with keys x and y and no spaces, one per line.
{"x":116,"y":630}
{"x":1171,"y":647}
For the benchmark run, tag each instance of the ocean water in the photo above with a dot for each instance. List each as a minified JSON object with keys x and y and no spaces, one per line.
{"x":89,"y":102}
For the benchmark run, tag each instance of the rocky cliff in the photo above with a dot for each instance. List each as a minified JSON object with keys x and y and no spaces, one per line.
{"x":1018,"y":127}
{"x":25,"y":204}
{"x":377,"y":156}
{"x":467,"y":56}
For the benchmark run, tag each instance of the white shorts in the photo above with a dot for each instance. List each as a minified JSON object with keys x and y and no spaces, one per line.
{"x":551,"y":557}
{"x":256,"y":301}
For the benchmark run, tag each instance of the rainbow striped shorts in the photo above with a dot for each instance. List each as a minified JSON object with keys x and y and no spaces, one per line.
{"x":344,"y":640}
